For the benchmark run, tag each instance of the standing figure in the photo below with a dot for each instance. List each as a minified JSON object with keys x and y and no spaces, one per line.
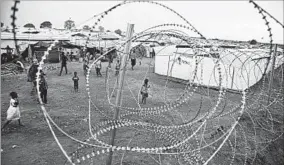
{"x":133,"y":58}
{"x":63,"y":63}
{"x":153,"y":53}
{"x":13,"y":112}
{"x":71,"y":56}
{"x":32,"y":74}
{"x":133,"y":62}
{"x":117,"y":67}
{"x":98,"y":67}
{"x":43,"y":89}
{"x":85,"y":67}
{"x":76,"y":81}
{"x":144,"y":91}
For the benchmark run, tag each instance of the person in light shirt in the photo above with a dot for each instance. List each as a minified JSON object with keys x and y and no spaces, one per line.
{"x":13,"y":112}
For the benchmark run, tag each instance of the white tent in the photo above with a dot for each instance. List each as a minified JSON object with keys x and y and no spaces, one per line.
{"x":239,"y":69}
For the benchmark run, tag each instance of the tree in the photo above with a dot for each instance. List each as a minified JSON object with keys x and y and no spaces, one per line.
{"x":102,"y":29}
{"x":29,"y":25}
{"x":118,"y":31}
{"x":86,"y":27}
{"x":69,"y":24}
{"x":253,"y":42}
{"x":46,"y":24}
{"x":2,"y":24}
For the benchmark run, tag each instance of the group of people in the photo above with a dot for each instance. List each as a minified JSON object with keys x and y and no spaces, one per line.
{"x":13,"y":112}
{"x":42,"y":81}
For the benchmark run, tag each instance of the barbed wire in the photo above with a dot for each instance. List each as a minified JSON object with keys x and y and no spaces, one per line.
{"x":199,"y":140}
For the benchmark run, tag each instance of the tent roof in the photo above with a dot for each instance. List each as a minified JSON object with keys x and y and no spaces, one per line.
{"x":109,"y":37}
{"x":68,"y":45}
{"x":79,"y":34}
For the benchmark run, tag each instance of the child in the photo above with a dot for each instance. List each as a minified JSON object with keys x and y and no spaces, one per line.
{"x":13,"y":112}
{"x":144,"y":91}
{"x":76,"y":80}
{"x":133,"y":62}
{"x":85,"y":67}
{"x":43,"y":89}
{"x":98,"y":67}
{"x":117,"y":67}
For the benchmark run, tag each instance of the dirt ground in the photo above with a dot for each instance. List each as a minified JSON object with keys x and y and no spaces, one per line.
{"x":34,"y":144}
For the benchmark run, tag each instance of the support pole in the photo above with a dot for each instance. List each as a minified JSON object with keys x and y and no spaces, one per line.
{"x":271,"y":73}
{"x":130,"y":28}
{"x":233,"y":78}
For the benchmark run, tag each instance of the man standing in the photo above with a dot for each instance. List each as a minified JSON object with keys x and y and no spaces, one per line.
{"x":43,"y":88}
{"x":98,"y":67}
{"x":63,"y":63}
{"x":32,"y":74}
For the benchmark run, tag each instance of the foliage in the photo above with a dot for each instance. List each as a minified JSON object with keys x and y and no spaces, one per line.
{"x":253,"y":42}
{"x":46,"y":24}
{"x":29,"y":25}
{"x":102,"y":29}
{"x":2,"y":24}
{"x":118,"y":31}
{"x":69,"y":24}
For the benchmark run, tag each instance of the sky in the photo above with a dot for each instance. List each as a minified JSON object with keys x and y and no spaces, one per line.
{"x":233,"y":20}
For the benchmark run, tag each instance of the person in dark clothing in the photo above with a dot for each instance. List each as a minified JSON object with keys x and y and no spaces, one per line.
{"x":117,"y":67}
{"x":43,"y":89}
{"x":133,"y":59}
{"x":145,"y":91}
{"x":71,"y":56}
{"x":63,"y":63}
{"x":76,"y":81}
{"x":153,"y":53}
{"x":85,"y":67}
{"x":32,"y":74}
{"x":133,"y":62}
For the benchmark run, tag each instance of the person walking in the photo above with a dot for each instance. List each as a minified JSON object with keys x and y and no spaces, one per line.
{"x":76,"y":82}
{"x":98,"y":67}
{"x":63,"y":63}
{"x":117,"y":67}
{"x":13,"y":112}
{"x":144,"y":91}
{"x":43,"y":89}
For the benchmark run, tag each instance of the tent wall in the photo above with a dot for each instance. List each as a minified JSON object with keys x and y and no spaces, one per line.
{"x":238,"y":70}
{"x":53,"y":56}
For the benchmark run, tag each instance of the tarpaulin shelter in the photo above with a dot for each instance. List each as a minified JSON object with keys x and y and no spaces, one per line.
{"x":37,"y":51}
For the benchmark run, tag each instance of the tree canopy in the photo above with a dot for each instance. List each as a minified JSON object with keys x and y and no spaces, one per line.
{"x":29,"y":25}
{"x":46,"y":24}
{"x":102,"y":29}
{"x":69,"y":24}
{"x":118,"y":31}
{"x":2,"y":24}
{"x":253,"y":42}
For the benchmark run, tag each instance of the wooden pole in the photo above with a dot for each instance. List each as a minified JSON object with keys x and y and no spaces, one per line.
{"x":271,"y":73}
{"x":233,"y":78}
{"x":130,"y":28}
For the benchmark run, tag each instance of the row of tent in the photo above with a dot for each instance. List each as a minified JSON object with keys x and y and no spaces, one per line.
{"x":38,"y":48}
